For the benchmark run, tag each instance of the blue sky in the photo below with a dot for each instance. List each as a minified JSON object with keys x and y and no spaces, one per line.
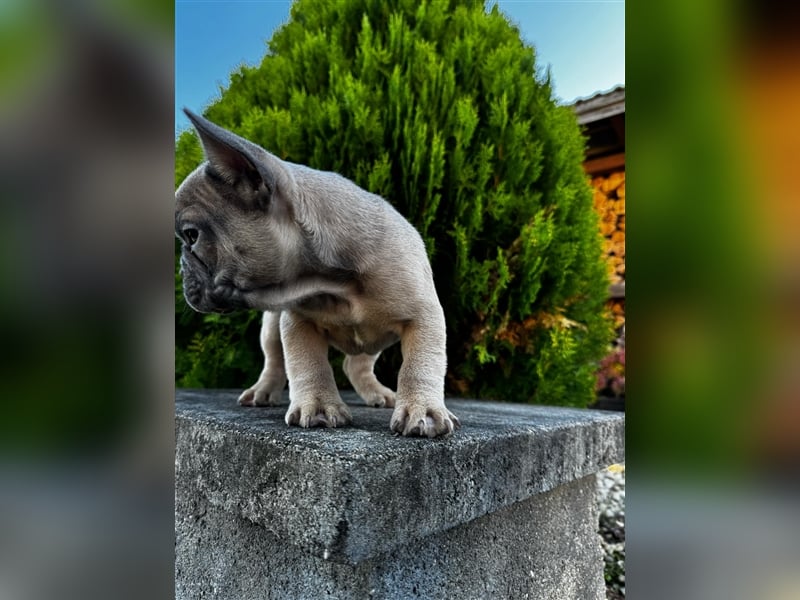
{"x":583,"y":42}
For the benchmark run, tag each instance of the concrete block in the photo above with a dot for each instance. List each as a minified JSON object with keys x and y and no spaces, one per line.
{"x":501,"y":509}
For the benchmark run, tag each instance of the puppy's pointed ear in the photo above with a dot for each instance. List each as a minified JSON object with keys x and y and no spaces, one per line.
{"x":233,"y":158}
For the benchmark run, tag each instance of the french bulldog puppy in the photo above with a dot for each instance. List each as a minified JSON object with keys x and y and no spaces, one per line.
{"x":330,"y":265}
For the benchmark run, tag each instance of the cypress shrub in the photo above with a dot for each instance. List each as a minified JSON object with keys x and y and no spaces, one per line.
{"x":440,"y":108}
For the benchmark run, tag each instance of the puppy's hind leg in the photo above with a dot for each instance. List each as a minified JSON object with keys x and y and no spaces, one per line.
{"x":268,"y":390}
{"x":359,"y":370}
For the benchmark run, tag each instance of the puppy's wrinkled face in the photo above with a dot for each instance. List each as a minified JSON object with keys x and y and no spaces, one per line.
{"x":229,"y":243}
{"x":234,"y":217}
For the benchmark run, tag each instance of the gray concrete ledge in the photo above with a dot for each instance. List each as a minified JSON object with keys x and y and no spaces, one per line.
{"x":543,"y":548}
{"x":349,"y":495}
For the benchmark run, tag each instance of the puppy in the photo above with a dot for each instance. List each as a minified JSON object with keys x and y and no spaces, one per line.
{"x":330,"y":265}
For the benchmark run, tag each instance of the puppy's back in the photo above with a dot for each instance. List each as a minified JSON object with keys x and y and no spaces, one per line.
{"x":352,"y":222}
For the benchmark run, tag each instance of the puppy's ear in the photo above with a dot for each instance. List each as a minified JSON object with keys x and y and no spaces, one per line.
{"x":234,"y":159}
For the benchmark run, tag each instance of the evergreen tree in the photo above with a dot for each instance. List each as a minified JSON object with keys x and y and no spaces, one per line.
{"x":438,"y":107}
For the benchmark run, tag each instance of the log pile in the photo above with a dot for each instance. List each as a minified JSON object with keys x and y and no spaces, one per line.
{"x":609,"y":202}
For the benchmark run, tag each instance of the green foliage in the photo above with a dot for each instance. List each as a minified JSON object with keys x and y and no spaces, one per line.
{"x":439,"y":107}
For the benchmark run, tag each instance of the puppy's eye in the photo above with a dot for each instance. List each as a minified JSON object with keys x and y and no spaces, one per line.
{"x":190,"y":234}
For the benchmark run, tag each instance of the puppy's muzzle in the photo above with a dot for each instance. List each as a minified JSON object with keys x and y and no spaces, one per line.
{"x":197,"y":282}
{"x":205,"y":292}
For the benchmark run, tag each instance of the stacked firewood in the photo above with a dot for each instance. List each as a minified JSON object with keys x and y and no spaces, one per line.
{"x":609,"y":202}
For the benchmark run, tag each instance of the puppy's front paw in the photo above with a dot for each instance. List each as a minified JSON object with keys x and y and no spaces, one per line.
{"x":319,"y":412}
{"x":428,"y":419}
{"x":264,"y":392}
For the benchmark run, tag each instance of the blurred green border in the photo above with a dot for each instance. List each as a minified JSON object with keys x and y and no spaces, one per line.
{"x":694,"y":342}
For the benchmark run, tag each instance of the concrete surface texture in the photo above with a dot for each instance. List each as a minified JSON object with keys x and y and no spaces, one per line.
{"x":502,"y":508}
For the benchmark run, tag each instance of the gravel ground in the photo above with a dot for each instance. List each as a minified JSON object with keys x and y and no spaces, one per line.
{"x":611,"y":500}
